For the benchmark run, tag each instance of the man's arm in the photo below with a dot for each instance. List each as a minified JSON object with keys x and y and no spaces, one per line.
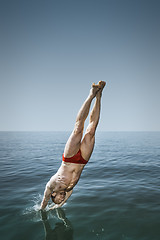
{"x":46,"y":197}
{"x":68,"y":194}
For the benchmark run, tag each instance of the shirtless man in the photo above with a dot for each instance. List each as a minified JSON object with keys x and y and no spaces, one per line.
{"x":77,"y":151}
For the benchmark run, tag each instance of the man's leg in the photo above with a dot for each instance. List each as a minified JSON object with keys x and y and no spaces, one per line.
{"x":87,"y":144}
{"x":74,"y":141}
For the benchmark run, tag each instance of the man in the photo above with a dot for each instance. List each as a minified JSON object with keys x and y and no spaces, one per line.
{"x":77,"y":151}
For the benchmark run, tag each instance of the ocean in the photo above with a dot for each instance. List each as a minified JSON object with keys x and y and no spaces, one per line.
{"x":116,"y":198}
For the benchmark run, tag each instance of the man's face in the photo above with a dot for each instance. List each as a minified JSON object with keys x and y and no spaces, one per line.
{"x":60,"y":196}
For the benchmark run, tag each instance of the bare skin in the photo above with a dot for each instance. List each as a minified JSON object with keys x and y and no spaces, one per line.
{"x":61,"y":184}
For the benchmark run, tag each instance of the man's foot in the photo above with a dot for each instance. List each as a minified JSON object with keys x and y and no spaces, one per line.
{"x":101,"y":86}
{"x":95,"y":89}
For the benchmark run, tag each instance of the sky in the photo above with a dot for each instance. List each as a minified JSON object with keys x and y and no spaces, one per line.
{"x":52,"y":51}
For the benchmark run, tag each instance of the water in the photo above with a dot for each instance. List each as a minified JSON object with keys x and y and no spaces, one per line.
{"x":117,"y":197}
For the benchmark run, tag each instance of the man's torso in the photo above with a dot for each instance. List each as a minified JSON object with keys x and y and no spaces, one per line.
{"x":66,"y":177}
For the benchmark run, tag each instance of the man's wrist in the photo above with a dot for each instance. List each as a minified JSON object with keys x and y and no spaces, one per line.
{"x":43,"y":204}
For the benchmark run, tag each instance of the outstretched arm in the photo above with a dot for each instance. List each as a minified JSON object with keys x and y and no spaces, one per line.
{"x":68,"y":194}
{"x":46,"y":197}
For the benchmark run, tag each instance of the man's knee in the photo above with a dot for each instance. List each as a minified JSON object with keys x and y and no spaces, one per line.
{"x":88,"y":141}
{"x":78,"y":128}
{"x":90,"y":131}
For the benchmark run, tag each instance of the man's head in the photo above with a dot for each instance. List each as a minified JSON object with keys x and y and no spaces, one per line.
{"x":58,"y":197}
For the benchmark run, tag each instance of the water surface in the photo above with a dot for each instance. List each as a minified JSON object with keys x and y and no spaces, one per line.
{"x":117,"y":197}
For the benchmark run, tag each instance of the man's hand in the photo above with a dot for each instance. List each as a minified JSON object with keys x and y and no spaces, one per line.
{"x":46,"y":197}
{"x":44,"y":203}
{"x":44,"y":215}
{"x":54,"y":207}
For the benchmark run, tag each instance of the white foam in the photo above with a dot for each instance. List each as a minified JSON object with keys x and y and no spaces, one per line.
{"x":33,"y":212}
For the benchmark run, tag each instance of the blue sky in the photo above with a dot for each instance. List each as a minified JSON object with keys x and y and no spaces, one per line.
{"x":52,"y":51}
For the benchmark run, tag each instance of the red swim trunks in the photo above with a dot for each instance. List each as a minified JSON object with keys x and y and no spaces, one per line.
{"x":77,"y":158}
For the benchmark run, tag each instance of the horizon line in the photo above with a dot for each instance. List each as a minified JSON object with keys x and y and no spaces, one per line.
{"x":72,"y":130}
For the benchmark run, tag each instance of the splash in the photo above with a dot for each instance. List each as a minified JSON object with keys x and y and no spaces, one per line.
{"x":33,"y":212}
